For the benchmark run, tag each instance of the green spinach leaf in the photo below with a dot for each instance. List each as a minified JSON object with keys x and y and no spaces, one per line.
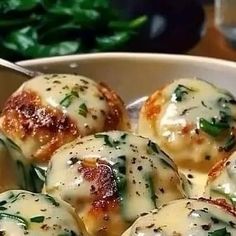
{"x":219,"y":232}
{"x":42,"y":28}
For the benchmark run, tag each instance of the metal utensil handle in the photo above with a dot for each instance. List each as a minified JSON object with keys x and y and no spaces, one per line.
{"x":15,"y":67}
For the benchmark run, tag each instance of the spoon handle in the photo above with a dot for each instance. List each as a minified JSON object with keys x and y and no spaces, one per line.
{"x":4,"y":64}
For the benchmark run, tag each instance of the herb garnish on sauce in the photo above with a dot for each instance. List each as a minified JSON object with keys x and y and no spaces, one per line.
{"x":67,"y":100}
{"x":180,"y":92}
{"x":219,"y":232}
{"x":83,"y":110}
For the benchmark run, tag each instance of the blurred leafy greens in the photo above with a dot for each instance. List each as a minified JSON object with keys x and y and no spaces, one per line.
{"x":42,"y":28}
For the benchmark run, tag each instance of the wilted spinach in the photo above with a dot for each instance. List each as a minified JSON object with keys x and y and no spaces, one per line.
{"x":42,"y":28}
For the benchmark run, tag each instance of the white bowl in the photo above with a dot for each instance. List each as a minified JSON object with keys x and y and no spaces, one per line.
{"x":132,"y":75}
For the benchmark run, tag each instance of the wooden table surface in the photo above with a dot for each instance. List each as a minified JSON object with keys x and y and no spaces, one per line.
{"x":213,"y":43}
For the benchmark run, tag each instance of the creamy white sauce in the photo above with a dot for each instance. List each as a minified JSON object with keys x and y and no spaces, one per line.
{"x":176,"y":128}
{"x":65,"y":181}
{"x":151,"y":177}
{"x":82,"y":100}
{"x":67,"y":93}
{"x":200,"y":100}
{"x":25,"y":213}
{"x":184,"y":217}
{"x":224,"y":184}
{"x":196,"y":182}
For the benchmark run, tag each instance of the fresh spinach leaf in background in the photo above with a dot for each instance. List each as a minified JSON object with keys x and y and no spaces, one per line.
{"x":43,"y":28}
{"x":107,"y":43}
{"x":17,"y":5}
{"x":26,"y":42}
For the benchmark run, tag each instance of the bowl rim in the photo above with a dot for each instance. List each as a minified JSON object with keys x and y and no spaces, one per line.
{"x":129,"y":56}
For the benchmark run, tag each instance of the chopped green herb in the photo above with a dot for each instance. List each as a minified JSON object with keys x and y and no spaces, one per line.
{"x":2,"y":208}
{"x":108,"y":141}
{"x":123,"y":136}
{"x":187,"y":110}
{"x":67,"y":100}
{"x":180,"y":92}
{"x":217,"y":125}
{"x":15,"y":197}
{"x":83,"y":110}
{"x":122,"y":157}
{"x":75,"y":93}
{"x":20,"y":220}
{"x":223,"y":102}
{"x":211,"y":129}
{"x":119,"y":170}
{"x":152,"y":148}
{"x":166,"y":163}
{"x":224,"y":119}
{"x":220,"y":232}
{"x":203,"y":103}
{"x":215,"y":220}
{"x":99,"y":135}
{"x":116,"y":142}
{"x":52,"y":200}
{"x":151,"y":188}
{"x":3,"y":203}
{"x":11,"y":195}
{"x":230,"y":143}
{"x":37,"y":219}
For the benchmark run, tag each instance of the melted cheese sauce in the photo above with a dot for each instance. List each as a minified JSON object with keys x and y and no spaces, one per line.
{"x":185,"y":217}
{"x":68,"y":93}
{"x":51,"y":110}
{"x":196,"y":182}
{"x":201,"y":101}
{"x":25,"y":213}
{"x":112,"y":178}
{"x":145,"y":177}
{"x":173,"y":118}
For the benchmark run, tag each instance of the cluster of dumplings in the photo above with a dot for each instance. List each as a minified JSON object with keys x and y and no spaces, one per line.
{"x":70,"y":164}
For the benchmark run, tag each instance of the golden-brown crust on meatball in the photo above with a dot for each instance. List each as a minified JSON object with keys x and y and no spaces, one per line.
{"x":104,"y":213}
{"x":24,"y":115}
{"x":178,"y":133}
{"x":151,"y":107}
{"x":116,"y":117}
